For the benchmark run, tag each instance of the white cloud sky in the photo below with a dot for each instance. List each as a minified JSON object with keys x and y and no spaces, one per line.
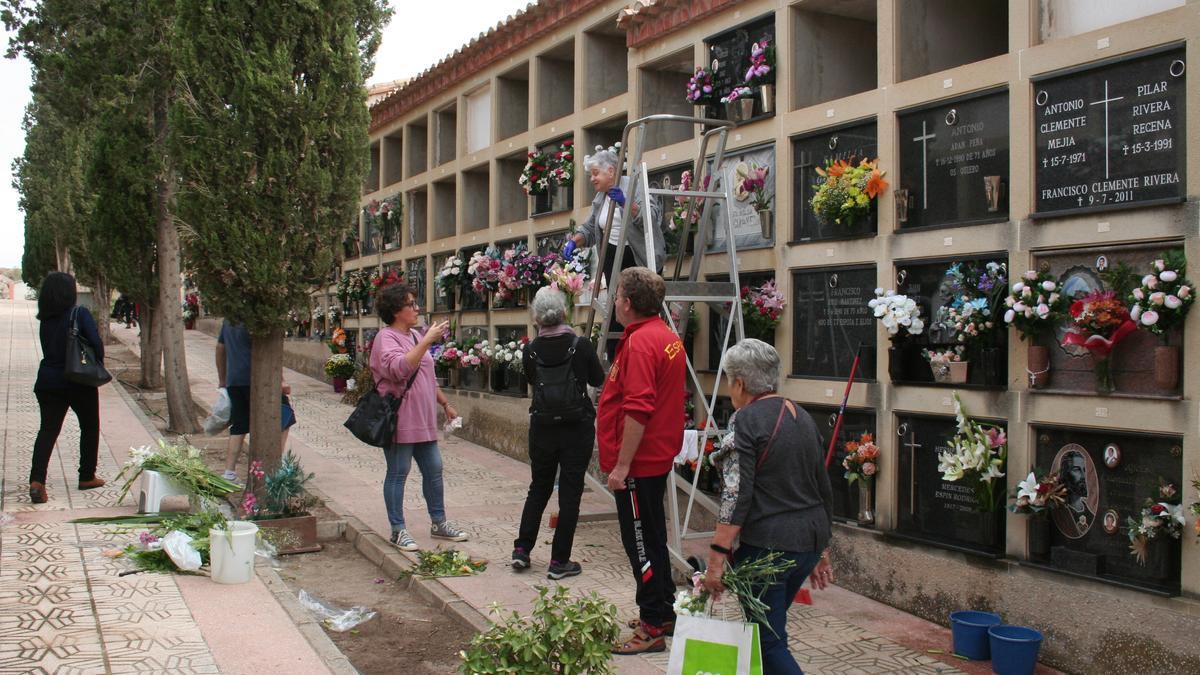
{"x":419,"y":35}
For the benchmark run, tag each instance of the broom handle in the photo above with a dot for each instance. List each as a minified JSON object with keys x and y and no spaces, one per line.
{"x":837,"y":426}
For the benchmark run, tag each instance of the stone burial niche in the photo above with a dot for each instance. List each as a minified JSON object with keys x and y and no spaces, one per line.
{"x":950,"y":291}
{"x":1110,"y":479}
{"x":506,"y":379}
{"x":954,"y":163}
{"x":855,"y":423}
{"x":728,"y":61}
{"x":852,"y":143}
{"x":933,"y":510}
{"x":820,"y":74}
{"x":832,"y":322}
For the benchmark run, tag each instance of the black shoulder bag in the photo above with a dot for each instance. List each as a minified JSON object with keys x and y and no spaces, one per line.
{"x":374,"y":418}
{"x":82,"y":366}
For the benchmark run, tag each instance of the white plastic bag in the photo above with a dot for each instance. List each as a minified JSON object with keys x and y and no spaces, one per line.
{"x":178,"y":545}
{"x":334,"y":618}
{"x":704,"y":645}
{"x":219,"y":419}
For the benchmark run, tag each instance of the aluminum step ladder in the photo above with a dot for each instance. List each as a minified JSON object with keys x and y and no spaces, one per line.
{"x":723,"y":296}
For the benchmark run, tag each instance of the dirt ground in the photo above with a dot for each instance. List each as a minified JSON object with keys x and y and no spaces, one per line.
{"x":406,"y":635}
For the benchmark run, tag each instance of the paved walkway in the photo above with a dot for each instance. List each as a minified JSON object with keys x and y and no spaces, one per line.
{"x":484,"y":494}
{"x":62,"y":606}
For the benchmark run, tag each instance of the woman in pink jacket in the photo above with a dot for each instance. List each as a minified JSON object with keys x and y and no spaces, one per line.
{"x":400,"y":360}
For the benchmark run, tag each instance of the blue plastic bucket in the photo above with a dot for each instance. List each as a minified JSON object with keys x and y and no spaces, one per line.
{"x":1014,"y":649}
{"x":970,"y":631}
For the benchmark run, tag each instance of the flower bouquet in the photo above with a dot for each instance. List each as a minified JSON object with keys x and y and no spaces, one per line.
{"x":1099,"y":321}
{"x":1036,"y":307}
{"x":748,"y":581}
{"x":752,"y":183}
{"x":337,"y":341}
{"x":450,"y":277}
{"x":535,"y":177}
{"x":861,"y":464}
{"x":968,"y":316}
{"x":191,"y":309}
{"x":901,"y":317}
{"x":700,"y":88}
{"x":762,"y":308}
{"x":446,"y":356}
{"x":1036,"y":495}
{"x":474,"y":354}
{"x":562,"y":170}
{"x":318,"y":313}
{"x":340,"y":366}
{"x":385,"y":278}
{"x":1158,"y":521}
{"x":484,"y":271}
{"x":761,"y":73}
{"x":182,"y":464}
{"x":679,"y":221}
{"x":846,"y":190}
{"x":977,"y":453}
{"x":335,"y":314}
{"x":509,"y":355}
{"x":1160,"y":305}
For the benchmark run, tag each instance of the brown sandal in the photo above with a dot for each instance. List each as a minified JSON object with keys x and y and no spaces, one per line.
{"x":640,"y":643}
{"x":668,"y":627}
{"x":37,"y":493}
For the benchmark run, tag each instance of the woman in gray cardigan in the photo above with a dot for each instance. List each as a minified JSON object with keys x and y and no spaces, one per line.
{"x":603,"y":172}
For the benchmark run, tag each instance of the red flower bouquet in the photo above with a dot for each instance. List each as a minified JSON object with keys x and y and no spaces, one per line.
{"x":1099,"y":321}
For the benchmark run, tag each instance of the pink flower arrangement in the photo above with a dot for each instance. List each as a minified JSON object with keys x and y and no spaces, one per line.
{"x":754,"y":183}
{"x":862,"y":459}
{"x":700,"y":88}
{"x":249,"y":504}
{"x":256,"y":469}
{"x":762,"y":64}
{"x":484,"y":270}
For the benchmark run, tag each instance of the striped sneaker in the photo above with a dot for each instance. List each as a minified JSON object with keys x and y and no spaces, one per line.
{"x":444,"y":530}
{"x":404,"y":541}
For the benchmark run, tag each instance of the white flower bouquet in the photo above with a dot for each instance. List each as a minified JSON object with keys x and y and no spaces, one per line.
{"x":977,"y":454}
{"x":900,"y":314}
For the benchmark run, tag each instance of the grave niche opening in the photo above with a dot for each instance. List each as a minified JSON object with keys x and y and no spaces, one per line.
{"x":930,"y":509}
{"x":672,"y":224}
{"x":855,"y":423}
{"x":729,"y":57}
{"x":508,"y":379}
{"x":831,"y":320}
{"x":415,"y":276}
{"x":443,"y":299}
{"x":718,"y":317}
{"x":850,"y":143}
{"x":1136,"y":367}
{"x":954,"y":163}
{"x":1109,"y":477}
{"x":472,"y":301}
{"x":748,"y":230}
{"x":939,"y":288}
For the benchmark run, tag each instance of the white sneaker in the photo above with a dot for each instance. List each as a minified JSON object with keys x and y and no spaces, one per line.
{"x":231,"y":475}
{"x":404,"y":541}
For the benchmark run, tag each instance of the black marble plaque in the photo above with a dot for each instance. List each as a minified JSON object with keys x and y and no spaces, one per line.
{"x":718,"y":316}
{"x":831,"y":321}
{"x":416,"y":277}
{"x":854,"y":424}
{"x":730,"y":52}
{"x":954,"y":163}
{"x":1078,"y":533}
{"x":851,"y":143}
{"x":443,"y":301}
{"x":932,"y":509}
{"x":551,"y":242}
{"x":471,"y":301}
{"x":927,"y":282}
{"x":505,"y":380}
{"x":1111,"y":136}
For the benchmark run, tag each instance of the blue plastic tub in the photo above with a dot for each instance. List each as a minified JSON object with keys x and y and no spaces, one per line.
{"x":970,"y":631}
{"x":1014,"y":649}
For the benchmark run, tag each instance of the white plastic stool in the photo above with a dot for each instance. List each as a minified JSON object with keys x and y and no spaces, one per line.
{"x":154,"y":487}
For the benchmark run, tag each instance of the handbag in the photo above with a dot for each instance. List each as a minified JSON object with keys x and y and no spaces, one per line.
{"x":707,"y":645}
{"x":374,"y":418}
{"x":82,"y":366}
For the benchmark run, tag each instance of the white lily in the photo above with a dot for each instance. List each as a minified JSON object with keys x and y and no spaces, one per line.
{"x":1028,"y":487}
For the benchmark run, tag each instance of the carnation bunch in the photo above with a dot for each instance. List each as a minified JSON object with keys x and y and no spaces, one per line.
{"x":976,"y":455}
{"x":509,"y":355}
{"x":700,"y":88}
{"x":862,"y":459}
{"x":1036,"y":494}
{"x":846,"y":190}
{"x":484,"y":270}
{"x":762,"y":64}
{"x":562,"y":169}
{"x":900,"y":314}
{"x":1165,"y":296}
{"x":535,"y":177}
{"x":762,"y":308}
{"x":1035,"y":305}
{"x":450,"y":276}
{"x":446,"y":355}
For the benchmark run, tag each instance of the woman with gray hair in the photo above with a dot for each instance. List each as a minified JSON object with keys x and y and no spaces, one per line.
{"x":775,"y":495}
{"x":558,"y":364}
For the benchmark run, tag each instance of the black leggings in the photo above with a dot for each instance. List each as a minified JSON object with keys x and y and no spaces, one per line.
{"x":85,"y":401}
{"x":627,"y":261}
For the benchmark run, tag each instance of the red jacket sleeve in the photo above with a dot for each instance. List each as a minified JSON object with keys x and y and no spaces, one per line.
{"x":640,"y":388}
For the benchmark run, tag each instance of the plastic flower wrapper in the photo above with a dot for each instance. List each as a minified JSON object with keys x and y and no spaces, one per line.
{"x":1099,"y":322}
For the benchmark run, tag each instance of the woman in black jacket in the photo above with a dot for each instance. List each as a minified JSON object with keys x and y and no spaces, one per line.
{"x":55,"y":394}
{"x":562,"y":429}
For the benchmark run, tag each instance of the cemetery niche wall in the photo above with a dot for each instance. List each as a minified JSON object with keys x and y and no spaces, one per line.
{"x":728,"y":60}
{"x":960,"y":301}
{"x":718,"y":317}
{"x":1138,"y":362}
{"x":832,"y":321}
{"x":855,"y":423}
{"x":954,"y":164}
{"x":1110,"y":477}
{"x":748,"y":227}
{"x":1111,"y":135}
{"x":931,"y":509}
{"x":851,"y":143}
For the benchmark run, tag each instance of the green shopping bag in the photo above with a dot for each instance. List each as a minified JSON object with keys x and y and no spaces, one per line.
{"x":704,"y":646}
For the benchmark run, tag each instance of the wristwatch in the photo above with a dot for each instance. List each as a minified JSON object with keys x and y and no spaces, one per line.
{"x":720,"y":549}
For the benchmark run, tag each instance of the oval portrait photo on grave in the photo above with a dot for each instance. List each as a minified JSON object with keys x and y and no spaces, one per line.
{"x":1078,"y":474}
{"x":1077,"y":282}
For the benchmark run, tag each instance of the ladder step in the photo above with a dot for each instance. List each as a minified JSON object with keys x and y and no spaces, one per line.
{"x":686,"y":193}
{"x":701,"y":291}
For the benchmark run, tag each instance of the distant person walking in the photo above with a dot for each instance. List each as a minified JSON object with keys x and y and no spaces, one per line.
{"x":562,"y":428}
{"x":56,"y":306}
{"x":402,"y":366}
{"x":233,"y":375}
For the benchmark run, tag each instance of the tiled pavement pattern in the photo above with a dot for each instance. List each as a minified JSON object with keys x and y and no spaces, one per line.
{"x":484,"y":494}
{"x":63,"y":609}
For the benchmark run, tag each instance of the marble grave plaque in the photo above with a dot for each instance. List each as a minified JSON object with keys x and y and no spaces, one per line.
{"x":854,"y":425}
{"x":831,"y":319}
{"x":729,"y":57}
{"x":851,"y":143}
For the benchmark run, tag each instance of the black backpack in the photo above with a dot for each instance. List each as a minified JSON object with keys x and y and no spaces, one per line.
{"x":558,"y":396}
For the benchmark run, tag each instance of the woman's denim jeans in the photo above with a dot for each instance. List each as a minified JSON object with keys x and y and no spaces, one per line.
{"x":399,"y":460}
{"x":777,"y":660}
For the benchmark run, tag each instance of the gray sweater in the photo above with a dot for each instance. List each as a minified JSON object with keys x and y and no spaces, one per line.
{"x":593,"y":230}
{"x":783,"y":501}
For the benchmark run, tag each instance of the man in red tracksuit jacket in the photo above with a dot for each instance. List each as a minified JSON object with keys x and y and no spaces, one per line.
{"x":639,"y":429}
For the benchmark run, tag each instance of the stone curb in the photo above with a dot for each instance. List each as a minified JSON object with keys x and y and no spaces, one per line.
{"x":312,"y":631}
{"x":394,"y":562}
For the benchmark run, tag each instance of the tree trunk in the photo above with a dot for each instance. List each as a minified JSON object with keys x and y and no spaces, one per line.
{"x":181,"y":415}
{"x":103,"y":309}
{"x":266,"y":379}
{"x":151,"y":348}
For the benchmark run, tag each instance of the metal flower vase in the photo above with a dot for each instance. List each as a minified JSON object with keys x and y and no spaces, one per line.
{"x":866,"y":511}
{"x":767,"y":96}
{"x":766,"y":221}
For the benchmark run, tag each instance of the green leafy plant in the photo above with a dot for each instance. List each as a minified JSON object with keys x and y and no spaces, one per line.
{"x":445,"y":563}
{"x":147,"y":555}
{"x":284,"y":495}
{"x":562,"y":635}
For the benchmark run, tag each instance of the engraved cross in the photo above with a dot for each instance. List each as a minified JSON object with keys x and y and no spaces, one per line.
{"x":1106,"y":100}
{"x":923,"y":139}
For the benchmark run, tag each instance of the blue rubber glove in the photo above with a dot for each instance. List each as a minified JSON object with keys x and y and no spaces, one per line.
{"x":617,"y":196}
{"x":568,"y":249}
